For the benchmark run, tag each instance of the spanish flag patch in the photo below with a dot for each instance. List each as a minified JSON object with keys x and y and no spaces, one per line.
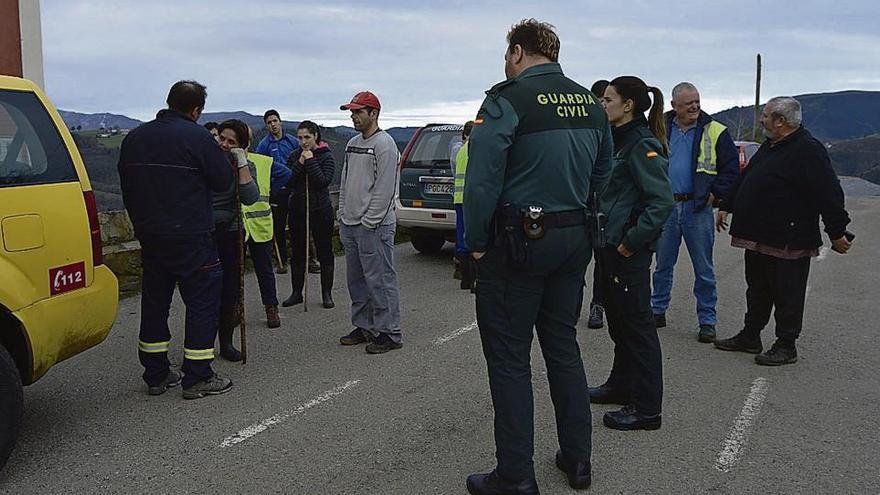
{"x":651,"y":154}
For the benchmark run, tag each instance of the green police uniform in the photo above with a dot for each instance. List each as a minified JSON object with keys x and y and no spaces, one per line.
{"x":637,"y":201}
{"x":540,"y":140}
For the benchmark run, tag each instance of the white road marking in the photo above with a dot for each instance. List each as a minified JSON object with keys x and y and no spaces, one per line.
{"x":262,"y":426}
{"x":458,"y":333}
{"x":807,"y":293}
{"x":823,"y":253}
{"x":739,"y":432}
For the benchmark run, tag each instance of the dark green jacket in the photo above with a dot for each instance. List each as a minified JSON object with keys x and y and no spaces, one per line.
{"x":540,"y":139}
{"x":638,"y":198}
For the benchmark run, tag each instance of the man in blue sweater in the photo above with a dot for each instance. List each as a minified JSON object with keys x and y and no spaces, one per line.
{"x":279,"y":146}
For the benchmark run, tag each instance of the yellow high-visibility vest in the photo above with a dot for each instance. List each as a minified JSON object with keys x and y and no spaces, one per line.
{"x":707,"y":161}
{"x":258,"y":216}
{"x":461,"y":160}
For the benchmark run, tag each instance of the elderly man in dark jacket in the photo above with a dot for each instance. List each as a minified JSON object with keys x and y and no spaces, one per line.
{"x":776,"y":206}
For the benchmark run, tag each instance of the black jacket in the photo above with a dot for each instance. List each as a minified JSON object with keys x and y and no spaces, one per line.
{"x":780,"y":195}
{"x":320,"y":170}
{"x":637,"y":198}
{"x":167,"y":170}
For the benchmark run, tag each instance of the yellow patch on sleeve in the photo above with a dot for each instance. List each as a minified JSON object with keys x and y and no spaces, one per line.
{"x":651,"y":154}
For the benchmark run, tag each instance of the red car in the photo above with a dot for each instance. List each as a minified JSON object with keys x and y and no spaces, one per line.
{"x":747,"y":150}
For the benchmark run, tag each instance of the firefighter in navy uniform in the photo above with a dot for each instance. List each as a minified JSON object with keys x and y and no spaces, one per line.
{"x":167,"y":170}
{"x":637,"y":201}
{"x":540,"y":145}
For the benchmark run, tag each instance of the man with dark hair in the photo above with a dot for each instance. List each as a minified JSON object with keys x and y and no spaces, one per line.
{"x":212,"y":127}
{"x":367,"y":224}
{"x":279,"y":146}
{"x":541,"y":145}
{"x":597,"y":308}
{"x":168,"y":169}
{"x":795,"y":168}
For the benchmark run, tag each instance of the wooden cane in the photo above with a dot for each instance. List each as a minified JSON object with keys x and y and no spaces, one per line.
{"x":306,"y":271}
{"x":241,"y":241}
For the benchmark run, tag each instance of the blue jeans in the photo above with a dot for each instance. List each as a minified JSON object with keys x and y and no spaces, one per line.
{"x":698,"y":230}
{"x":460,"y":245}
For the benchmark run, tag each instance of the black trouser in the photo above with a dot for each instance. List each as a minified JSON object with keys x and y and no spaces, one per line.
{"x":280,"y":208}
{"x":261,"y":254}
{"x":546,"y":295}
{"x":598,"y":286}
{"x":191,"y":263}
{"x":229,"y":247}
{"x":321,"y":225}
{"x":638,"y":363}
{"x":775,"y":282}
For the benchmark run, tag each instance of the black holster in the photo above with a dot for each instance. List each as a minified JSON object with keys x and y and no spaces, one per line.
{"x":509,"y":235}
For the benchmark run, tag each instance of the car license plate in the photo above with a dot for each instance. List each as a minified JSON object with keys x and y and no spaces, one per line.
{"x":438,"y":188}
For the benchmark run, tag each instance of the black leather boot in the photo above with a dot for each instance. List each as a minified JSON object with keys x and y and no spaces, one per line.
{"x":297,"y":279}
{"x":224,"y":334}
{"x":327,"y":285}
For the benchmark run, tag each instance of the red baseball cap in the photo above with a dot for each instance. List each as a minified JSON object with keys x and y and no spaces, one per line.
{"x":364,"y":99}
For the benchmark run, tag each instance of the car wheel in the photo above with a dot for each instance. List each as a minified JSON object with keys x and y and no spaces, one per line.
{"x":10,"y":405}
{"x":428,"y":244}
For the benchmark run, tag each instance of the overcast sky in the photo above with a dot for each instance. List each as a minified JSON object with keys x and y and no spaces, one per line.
{"x":432,"y":61}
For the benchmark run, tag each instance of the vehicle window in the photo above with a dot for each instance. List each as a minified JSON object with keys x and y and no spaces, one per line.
{"x":751,"y":149}
{"x":31,"y":149}
{"x":432,"y":148}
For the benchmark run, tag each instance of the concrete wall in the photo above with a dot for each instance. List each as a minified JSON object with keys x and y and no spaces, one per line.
{"x":21,"y":40}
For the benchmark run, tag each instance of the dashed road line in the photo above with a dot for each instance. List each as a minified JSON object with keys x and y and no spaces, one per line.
{"x":735,"y":443}
{"x":457,"y":333}
{"x":264,"y":425}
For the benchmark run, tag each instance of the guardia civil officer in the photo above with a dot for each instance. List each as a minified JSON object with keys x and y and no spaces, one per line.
{"x":637,"y":201}
{"x":168,"y":169}
{"x":541,"y":143}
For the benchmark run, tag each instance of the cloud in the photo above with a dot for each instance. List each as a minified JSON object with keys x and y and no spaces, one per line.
{"x":432,"y":61}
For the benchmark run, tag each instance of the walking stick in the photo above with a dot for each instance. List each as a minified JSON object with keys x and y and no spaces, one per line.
{"x":241,"y":321}
{"x":306,"y":271}
{"x":277,"y":252}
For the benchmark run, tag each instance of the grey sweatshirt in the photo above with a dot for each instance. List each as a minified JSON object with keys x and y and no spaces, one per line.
{"x":369,"y":185}
{"x":224,"y":202}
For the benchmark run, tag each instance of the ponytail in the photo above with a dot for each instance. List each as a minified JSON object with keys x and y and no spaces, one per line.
{"x":656,"y":122}
{"x":633,"y":88}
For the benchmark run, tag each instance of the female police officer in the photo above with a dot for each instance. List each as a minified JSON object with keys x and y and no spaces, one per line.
{"x":637,"y":201}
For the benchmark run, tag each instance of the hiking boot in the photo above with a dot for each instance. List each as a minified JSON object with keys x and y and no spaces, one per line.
{"x":706,"y":334}
{"x":382,"y":344}
{"x":628,"y":419}
{"x":579,"y":474}
{"x":357,"y":336}
{"x":273,"y":320}
{"x":740,"y":343}
{"x":212,"y":386}
{"x":597,"y":316}
{"x":660,"y":320}
{"x":492,"y":484}
{"x":171,"y":380}
{"x":778,"y":355}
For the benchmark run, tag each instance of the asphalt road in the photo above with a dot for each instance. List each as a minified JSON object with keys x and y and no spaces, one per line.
{"x":308,"y":416}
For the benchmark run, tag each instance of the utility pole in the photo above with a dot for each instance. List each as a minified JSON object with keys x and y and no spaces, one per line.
{"x":756,"y":128}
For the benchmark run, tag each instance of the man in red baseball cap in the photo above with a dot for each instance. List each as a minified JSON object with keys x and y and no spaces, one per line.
{"x":364,"y":99}
{"x":367,"y":224}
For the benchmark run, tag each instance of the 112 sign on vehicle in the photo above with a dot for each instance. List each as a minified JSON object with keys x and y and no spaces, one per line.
{"x":67,"y":278}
